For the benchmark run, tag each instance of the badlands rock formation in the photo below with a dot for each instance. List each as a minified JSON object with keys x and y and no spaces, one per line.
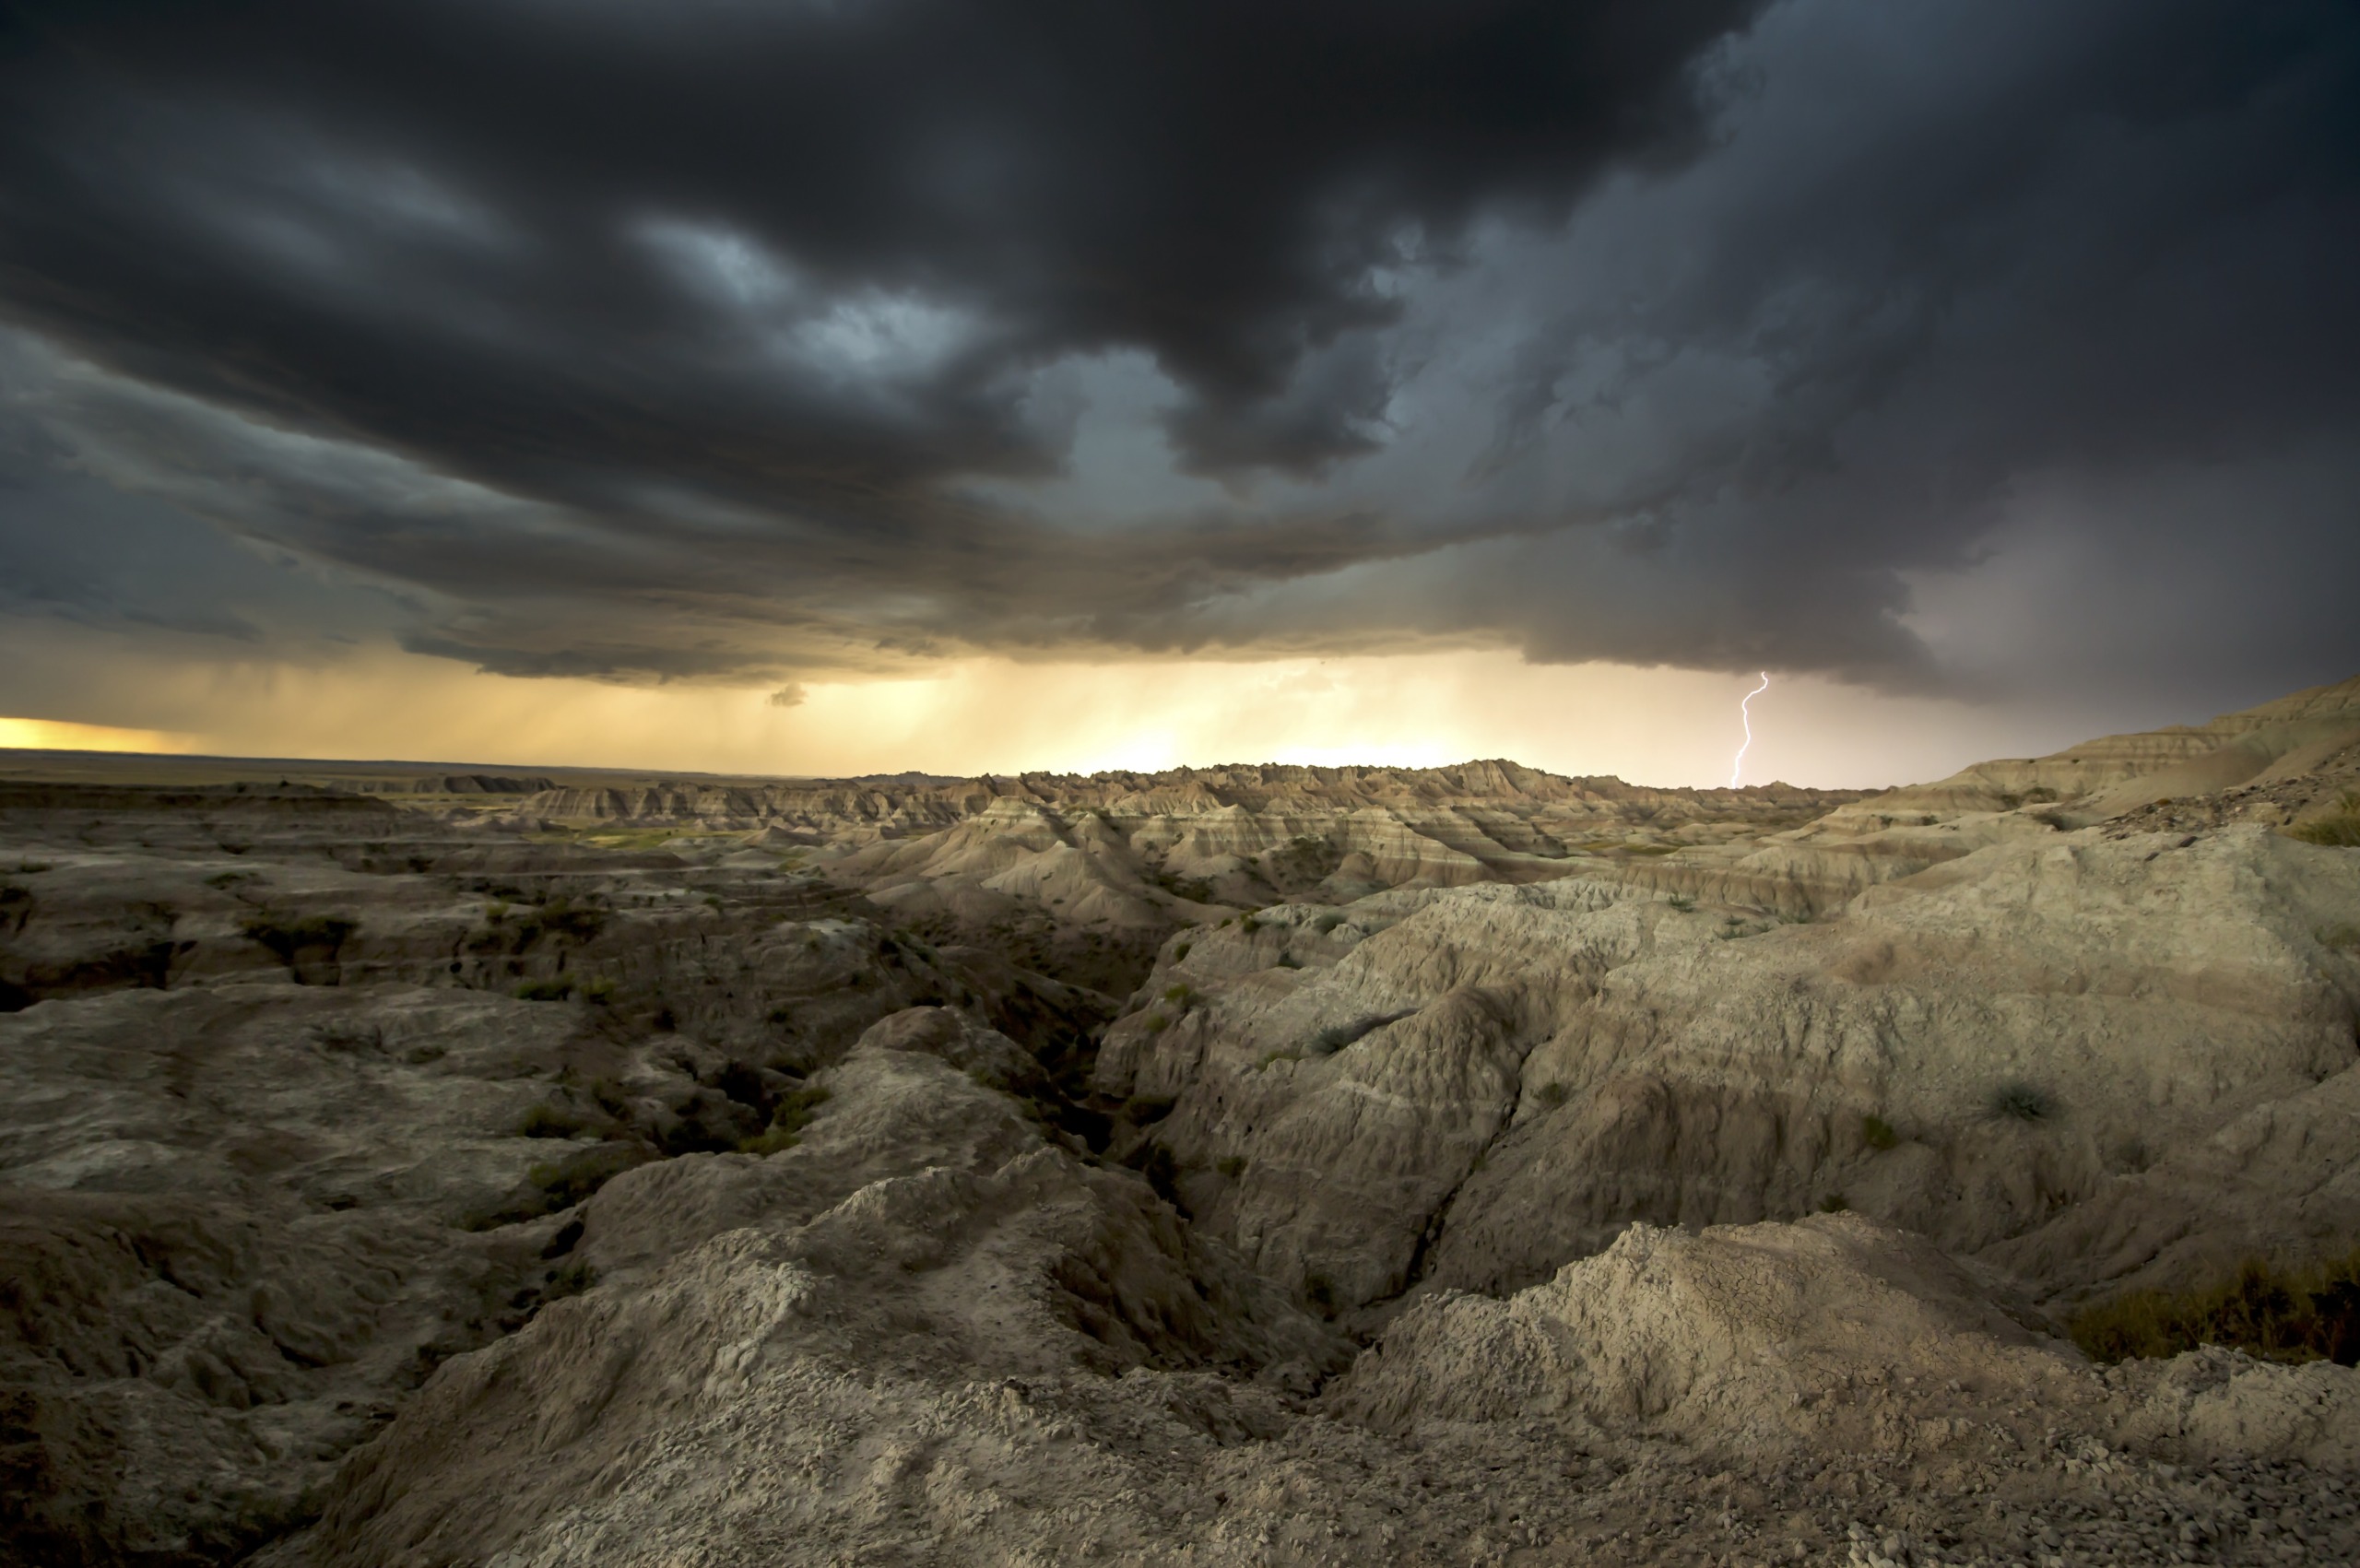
{"x":1243,"y":1166}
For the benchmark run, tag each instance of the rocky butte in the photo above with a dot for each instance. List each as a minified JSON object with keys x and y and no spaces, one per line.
{"x":407,"y":1165}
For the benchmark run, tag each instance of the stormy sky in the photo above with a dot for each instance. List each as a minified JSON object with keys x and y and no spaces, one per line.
{"x":1994,"y":362}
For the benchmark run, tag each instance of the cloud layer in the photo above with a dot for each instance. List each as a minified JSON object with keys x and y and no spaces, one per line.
{"x":756,"y":343}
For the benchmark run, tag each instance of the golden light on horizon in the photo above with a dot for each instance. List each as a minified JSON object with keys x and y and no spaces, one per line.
{"x":62,"y":735}
{"x":984,"y":714}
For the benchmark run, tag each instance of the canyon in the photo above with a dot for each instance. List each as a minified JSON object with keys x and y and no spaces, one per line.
{"x":439,"y":1164}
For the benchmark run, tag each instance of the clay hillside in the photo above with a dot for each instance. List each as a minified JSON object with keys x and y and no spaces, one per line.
{"x":407,"y":1165}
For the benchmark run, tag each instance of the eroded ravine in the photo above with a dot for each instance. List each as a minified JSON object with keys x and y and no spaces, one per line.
{"x":387,"y":1186}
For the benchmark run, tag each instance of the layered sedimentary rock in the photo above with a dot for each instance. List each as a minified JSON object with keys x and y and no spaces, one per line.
{"x":1471,"y":1166}
{"x":2113,"y":772}
{"x":1149,"y":851}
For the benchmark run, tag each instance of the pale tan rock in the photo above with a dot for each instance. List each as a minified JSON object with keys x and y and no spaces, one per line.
{"x":1749,"y":1342}
{"x":1509,"y":1048}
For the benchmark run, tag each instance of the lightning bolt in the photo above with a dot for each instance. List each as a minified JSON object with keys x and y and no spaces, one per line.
{"x":1736,"y":764}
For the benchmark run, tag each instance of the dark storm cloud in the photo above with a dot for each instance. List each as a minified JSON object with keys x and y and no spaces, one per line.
{"x":1949,"y":261}
{"x":739,"y":341}
{"x":547,"y":243}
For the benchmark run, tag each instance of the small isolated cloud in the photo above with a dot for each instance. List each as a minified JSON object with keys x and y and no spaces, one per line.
{"x":791,"y":695}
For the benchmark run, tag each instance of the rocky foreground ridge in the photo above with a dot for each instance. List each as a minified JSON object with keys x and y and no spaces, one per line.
{"x":1245,"y":1166}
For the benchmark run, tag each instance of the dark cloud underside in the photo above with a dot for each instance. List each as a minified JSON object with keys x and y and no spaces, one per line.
{"x":724,"y":340}
{"x":483,"y":211}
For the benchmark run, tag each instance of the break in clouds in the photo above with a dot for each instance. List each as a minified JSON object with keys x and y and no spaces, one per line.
{"x":1943,"y":346}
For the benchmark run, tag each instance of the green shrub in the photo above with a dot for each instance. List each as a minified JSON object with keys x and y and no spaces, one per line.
{"x":1682,"y":902}
{"x":554,"y":1121}
{"x":1335,"y":1036}
{"x":1157,"y":1023}
{"x":770,"y":1140}
{"x":1162,"y":1173}
{"x":563,"y":1183}
{"x":788,"y":1118}
{"x":1231,"y":1165}
{"x":1554,"y":1095}
{"x":1877,"y":1132}
{"x":556,"y":990}
{"x":1180,"y":952}
{"x":1248,"y":925}
{"x":1180,"y":995}
{"x":2019,"y":1101}
{"x":2285,"y":1315}
{"x":570,"y":1281}
{"x":610,"y":1097}
{"x":797,"y":1106}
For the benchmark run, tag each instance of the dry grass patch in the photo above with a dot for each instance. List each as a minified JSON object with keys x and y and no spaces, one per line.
{"x":2284,"y":1315}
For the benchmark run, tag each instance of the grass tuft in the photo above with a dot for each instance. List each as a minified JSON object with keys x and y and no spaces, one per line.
{"x":566,"y":1182}
{"x":570,"y":1279}
{"x":555,"y":1121}
{"x":2019,"y":1101}
{"x":2284,"y":1315}
{"x":794,"y":1111}
{"x":1877,"y":1132}
{"x":2340,"y":830}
